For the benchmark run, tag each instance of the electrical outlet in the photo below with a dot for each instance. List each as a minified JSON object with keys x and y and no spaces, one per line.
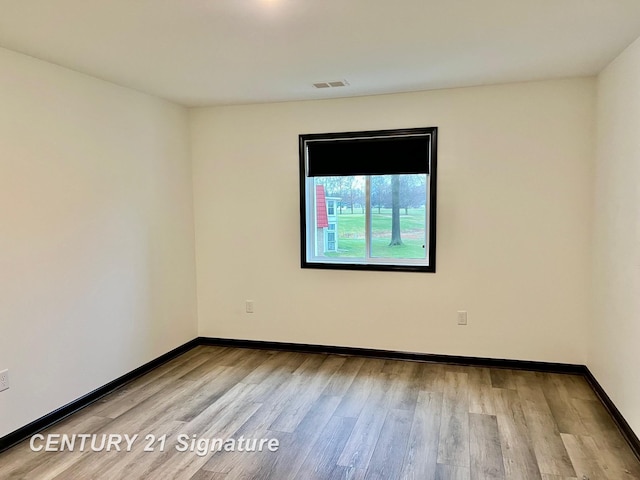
{"x":249,"y":306}
{"x":462,"y":317}
{"x":4,"y":380}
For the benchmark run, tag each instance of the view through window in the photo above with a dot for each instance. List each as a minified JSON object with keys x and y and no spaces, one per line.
{"x":377,"y":221}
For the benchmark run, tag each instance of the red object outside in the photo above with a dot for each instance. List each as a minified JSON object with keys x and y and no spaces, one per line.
{"x":321,"y":207}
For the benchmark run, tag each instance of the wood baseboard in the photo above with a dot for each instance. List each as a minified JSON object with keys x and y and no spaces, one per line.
{"x":399,"y":355}
{"x":549,"y":367}
{"x":54,"y":417}
{"x":63,"y":412}
{"x":622,"y":424}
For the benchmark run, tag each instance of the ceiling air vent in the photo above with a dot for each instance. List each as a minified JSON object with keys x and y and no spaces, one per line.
{"x":339,"y":83}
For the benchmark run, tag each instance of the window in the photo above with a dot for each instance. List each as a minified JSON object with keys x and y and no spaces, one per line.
{"x":331,"y":242}
{"x":368,"y":200}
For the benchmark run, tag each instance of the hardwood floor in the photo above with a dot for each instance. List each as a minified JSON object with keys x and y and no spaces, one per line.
{"x":339,"y":417}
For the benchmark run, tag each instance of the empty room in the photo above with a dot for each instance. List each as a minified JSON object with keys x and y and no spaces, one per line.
{"x":304,"y":239}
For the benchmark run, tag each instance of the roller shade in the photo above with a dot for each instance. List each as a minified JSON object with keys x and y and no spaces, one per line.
{"x":368,"y":156}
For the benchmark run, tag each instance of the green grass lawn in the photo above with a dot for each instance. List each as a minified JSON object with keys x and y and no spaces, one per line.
{"x":351,"y":238}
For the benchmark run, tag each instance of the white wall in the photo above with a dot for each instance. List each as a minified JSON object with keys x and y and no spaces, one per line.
{"x":514,"y":212}
{"x":96,"y":234}
{"x":96,"y":229}
{"x":614,"y":356}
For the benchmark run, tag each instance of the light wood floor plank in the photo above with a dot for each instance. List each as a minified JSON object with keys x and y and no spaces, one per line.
{"x":296,"y":446}
{"x":615,"y":454}
{"x":480,"y":391}
{"x":422,"y":449}
{"x":137,"y":463}
{"x":362,"y":441}
{"x":432,"y":377}
{"x":339,"y":417}
{"x":50,"y":464}
{"x":550,"y":451}
{"x":485,"y":449}
{"x":299,"y":405}
{"x":356,"y":396}
{"x":453,"y":446}
{"x":502,"y":378}
{"x":559,"y":401}
{"x":556,"y":477}
{"x":204,"y":475}
{"x":322,"y":461}
{"x":257,"y":426}
{"x":223,"y":426}
{"x":449,"y":472}
{"x":388,"y":455}
{"x":517,"y":449}
{"x":342,"y":380}
{"x":407,"y":386}
{"x":584,"y":456}
{"x":136,"y":392}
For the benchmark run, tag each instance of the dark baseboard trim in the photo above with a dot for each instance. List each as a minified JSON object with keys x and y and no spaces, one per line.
{"x":54,"y":417}
{"x":622,"y":424}
{"x":566,"y":368}
{"x":61,"y":413}
{"x":397,"y":355}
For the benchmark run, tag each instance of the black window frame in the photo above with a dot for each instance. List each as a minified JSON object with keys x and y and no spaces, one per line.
{"x":432,"y":168}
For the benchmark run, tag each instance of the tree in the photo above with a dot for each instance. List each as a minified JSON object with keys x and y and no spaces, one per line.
{"x":355,"y":193}
{"x":380,"y":192}
{"x":350,"y":190}
{"x":334,"y":187}
{"x":395,"y":211}
{"x":413,"y":191}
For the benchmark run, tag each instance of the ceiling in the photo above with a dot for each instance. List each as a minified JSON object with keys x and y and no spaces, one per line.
{"x":213,"y":52}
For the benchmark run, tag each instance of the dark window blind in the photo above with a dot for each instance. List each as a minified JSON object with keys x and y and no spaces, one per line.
{"x":368,"y":156}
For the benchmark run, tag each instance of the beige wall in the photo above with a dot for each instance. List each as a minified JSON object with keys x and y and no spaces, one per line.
{"x":514,"y":212}
{"x":96,"y":234}
{"x":614,"y":356}
{"x":97,"y":243}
